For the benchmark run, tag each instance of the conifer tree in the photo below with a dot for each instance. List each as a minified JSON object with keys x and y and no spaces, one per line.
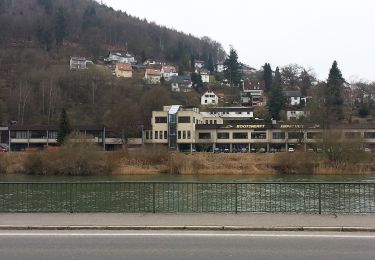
{"x":64,"y":127}
{"x":60,"y":27}
{"x":276,"y":99}
{"x":334,"y":93}
{"x":232,"y":68}
{"x":267,"y":76}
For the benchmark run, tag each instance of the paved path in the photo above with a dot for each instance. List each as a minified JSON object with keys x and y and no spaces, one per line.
{"x":185,"y":245}
{"x":251,"y":220}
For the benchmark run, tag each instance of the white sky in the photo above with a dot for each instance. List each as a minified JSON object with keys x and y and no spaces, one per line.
{"x":311,"y":33}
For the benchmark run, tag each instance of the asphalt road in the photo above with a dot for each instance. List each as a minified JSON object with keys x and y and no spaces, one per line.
{"x":184,"y":245}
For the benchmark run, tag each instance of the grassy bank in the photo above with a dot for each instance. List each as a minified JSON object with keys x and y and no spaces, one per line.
{"x":76,"y":161}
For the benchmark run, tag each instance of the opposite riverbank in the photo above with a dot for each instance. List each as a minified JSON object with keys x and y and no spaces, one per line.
{"x":154,"y":162}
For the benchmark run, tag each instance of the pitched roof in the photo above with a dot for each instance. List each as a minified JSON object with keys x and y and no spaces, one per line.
{"x":253,"y":85}
{"x":78,"y":58}
{"x":152,"y":72}
{"x":124,"y":67}
{"x":292,"y":93}
{"x":168,"y":69}
{"x":181,"y":79}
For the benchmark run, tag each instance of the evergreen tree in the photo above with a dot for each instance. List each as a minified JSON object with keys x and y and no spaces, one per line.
{"x":267,"y":76}
{"x":210,"y":64}
{"x":60,"y":27}
{"x":334,"y":93}
{"x":64,"y":127}
{"x":192,"y":63}
{"x":196,"y":79}
{"x":306,"y":83}
{"x":276,"y":99}
{"x":232,"y":70}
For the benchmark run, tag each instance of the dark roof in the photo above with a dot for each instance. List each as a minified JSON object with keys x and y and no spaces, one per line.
{"x":253,"y":85}
{"x":292,"y":93}
{"x":54,"y":128}
{"x":181,"y":79}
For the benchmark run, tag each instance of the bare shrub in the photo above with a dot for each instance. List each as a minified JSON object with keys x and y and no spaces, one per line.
{"x":183,"y":164}
{"x":78,"y":156}
{"x":148,"y":156}
{"x":296,"y":163}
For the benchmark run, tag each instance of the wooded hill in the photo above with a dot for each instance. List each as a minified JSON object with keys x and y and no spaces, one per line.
{"x":37,"y":39}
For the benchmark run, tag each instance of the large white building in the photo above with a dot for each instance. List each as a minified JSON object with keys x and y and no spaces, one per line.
{"x":167,"y":72}
{"x":187,"y":129}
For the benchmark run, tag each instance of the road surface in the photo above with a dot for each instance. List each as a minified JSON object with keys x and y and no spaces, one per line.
{"x":155,"y":245}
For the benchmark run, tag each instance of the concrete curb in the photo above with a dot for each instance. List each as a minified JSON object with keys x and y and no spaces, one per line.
{"x":191,"y":228}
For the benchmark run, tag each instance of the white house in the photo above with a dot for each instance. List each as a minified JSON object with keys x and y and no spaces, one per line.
{"x":167,"y":72}
{"x":219,"y":67}
{"x":181,"y":84}
{"x":79,"y":63}
{"x":198,"y":65}
{"x":205,"y":74}
{"x":118,"y":57}
{"x":152,"y":76}
{"x":292,"y":115}
{"x":209,"y":98}
{"x":294,"y":97}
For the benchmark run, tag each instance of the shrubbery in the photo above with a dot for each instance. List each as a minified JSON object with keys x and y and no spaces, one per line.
{"x":78,"y":156}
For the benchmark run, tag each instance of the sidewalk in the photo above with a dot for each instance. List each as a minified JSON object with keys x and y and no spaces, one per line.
{"x":189,"y":221}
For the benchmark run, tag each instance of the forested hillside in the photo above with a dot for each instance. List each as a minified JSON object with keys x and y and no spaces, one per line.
{"x":37,"y":39}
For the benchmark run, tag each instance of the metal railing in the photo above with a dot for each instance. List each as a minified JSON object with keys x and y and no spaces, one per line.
{"x":188,"y":197}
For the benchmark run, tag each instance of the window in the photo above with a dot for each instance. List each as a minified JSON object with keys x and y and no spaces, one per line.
{"x":215,"y":122}
{"x":222,"y":135}
{"x":204,"y":135}
{"x":188,"y":135}
{"x":38,"y":134}
{"x":165,"y":135}
{"x":370,"y":135}
{"x":259,"y":135}
{"x":160,"y":134}
{"x":183,"y":119}
{"x":205,"y":101}
{"x":147,"y":135}
{"x":179,"y":135}
{"x":206,"y":122}
{"x":161,"y":120}
{"x":156,"y":134}
{"x":21,"y":135}
{"x":210,"y":122}
{"x":52,"y":134}
{"x":240,"y":135}
{"x":278,"y":135}
{"x":183,"y":134}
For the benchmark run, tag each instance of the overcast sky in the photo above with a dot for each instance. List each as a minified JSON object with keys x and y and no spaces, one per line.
{"x":311,"y":33}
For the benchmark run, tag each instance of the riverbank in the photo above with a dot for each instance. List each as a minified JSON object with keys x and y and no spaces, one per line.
{"x":162,"y":162}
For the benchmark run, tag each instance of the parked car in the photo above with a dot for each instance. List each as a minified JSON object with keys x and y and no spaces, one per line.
{"x":226,"y":150}
{"x":262,"y":150}
{"x":253,"y":150}
{"x":217,"y":150}
{"x":367,"y":150}
{"x":3,"y":149}
{"x":243,"y":150}
{"x":291,"y":149}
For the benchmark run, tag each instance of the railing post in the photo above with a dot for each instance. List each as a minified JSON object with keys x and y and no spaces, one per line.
{"x":70,"y":197}
{"x":320,"y":198}
{"x":236,"y":198}
{"x":153,"y":198}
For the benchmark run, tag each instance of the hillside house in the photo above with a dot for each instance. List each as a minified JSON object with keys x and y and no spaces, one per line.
{"x":252,"y":94}
{"x":119,"y":57}
{"x":78,"y":63}
{"x":198,"y":64}
{"x":209,"y":98}
{"x":293,"y":115}
{"x":220,"y":67}
{"x":124,"y":70}
{"x":181,"y":84}
{"x":167,"y":72}
{"x":294,"y":97}
{"x":205,"y":74}
{"x":152,"y":76}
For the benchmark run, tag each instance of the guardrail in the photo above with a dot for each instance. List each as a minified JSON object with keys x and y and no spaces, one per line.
{"x":187,"y":197}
